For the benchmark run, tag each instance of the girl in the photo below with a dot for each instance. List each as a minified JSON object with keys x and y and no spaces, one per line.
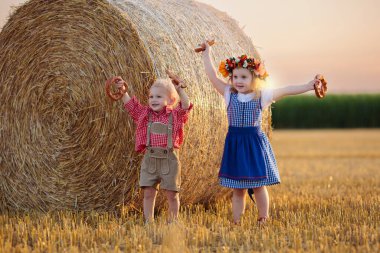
{"x":159,"y":134}
{"x":248,"y":161}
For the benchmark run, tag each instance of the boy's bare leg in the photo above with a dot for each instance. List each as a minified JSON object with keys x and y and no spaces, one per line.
{"x":238,"y":204}
{"x":173,"y":200}
{"x":150,"y":194}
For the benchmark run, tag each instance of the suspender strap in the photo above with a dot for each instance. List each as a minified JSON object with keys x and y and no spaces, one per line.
{"x":148,"y":130}
{"x":170,"y":132}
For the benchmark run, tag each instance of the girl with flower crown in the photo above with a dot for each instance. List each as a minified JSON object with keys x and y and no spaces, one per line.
{"x":248,"y":160}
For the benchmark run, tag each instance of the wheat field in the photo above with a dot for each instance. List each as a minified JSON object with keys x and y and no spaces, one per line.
{"x":328,"y":201}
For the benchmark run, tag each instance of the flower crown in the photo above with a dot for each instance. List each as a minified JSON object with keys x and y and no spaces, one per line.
{"x":254,"y":65}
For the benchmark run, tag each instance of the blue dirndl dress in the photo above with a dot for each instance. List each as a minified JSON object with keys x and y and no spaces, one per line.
{"x":248,"y":160}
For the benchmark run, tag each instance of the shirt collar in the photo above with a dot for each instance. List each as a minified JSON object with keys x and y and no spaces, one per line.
{"x":246,"y":97}
{"x":165,"y":110}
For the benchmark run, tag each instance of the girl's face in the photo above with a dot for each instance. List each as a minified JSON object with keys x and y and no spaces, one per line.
{"x":158,"y":98}
{"x":242,"y":80}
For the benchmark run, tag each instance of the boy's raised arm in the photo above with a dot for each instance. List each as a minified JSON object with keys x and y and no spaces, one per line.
{"x":184,"y":98}
{"x":126,"y":98}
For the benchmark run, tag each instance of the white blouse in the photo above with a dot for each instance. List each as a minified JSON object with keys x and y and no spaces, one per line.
{"x":266,"y":97}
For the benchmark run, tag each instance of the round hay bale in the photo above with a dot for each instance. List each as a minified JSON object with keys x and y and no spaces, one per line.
{"x":63,"y":143}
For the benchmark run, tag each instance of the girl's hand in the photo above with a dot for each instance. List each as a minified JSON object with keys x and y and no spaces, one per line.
{"x":312,"y":83}
{"x":315,"y":82}
{"x":205,"y":46}
{"x":320,"y":86}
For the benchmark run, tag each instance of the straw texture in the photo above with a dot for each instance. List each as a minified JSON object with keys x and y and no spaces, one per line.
{"x":63,"y":143}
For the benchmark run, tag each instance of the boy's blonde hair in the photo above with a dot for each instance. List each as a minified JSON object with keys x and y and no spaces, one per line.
{"x":169,"y":87}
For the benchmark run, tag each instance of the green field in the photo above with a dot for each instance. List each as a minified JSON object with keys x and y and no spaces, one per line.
{"x":329,"y":201}
{"x":334,"y":111}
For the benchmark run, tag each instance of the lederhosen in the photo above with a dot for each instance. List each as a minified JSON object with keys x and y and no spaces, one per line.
{"x":160,"y":165}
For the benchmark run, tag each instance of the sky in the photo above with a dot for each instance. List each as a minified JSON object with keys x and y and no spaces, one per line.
{"x":300,"y":38}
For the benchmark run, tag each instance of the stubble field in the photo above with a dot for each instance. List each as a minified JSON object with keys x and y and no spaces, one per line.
{"x":329,"y":201}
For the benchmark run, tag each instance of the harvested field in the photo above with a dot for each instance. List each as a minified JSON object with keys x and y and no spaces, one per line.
{"x":328,"y":202}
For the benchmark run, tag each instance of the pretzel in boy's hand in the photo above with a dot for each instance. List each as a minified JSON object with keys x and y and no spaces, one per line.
{"x":116,"y":82}
{"x":178,"y":82}
{"x":320,"y":87}
{"x":202,"y":47}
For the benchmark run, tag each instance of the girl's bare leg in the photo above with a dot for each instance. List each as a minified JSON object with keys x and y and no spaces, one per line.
{"x":173,"y":200}
{"x":150,"y":194}
{"x":238,"y":204}
{"x":262,"y":201}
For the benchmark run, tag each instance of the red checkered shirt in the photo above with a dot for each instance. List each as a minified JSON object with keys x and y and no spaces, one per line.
{"x":139,"y":114}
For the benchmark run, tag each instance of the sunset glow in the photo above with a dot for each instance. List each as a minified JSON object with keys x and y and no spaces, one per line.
{"x":298,"y":39}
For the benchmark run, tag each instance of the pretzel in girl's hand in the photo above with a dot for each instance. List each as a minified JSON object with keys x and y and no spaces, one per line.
{"x":202,"y":47}
{"x":112,"y":84}
{"x":178,"y":82}
{"x":320,"y":87}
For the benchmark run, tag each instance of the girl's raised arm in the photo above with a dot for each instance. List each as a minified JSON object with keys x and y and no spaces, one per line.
{"x":293,"y":90}
{"x":218,"y":84}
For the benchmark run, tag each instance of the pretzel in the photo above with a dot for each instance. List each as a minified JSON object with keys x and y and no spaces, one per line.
{"x":320,"y":88}
{"x":121,"y":90}
{"x":175,"y":79}
{"x":202,"y":47}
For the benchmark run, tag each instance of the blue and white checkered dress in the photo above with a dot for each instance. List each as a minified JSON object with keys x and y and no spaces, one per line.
{"x":248,"y":160}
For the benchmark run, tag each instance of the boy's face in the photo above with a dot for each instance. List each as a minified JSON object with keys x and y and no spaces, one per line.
{"x":158,"y":98}
{"x":242,"y":80}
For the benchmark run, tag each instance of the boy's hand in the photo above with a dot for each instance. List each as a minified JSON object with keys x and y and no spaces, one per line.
{"x":178,"y":82}
{"x":121,"y":86}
